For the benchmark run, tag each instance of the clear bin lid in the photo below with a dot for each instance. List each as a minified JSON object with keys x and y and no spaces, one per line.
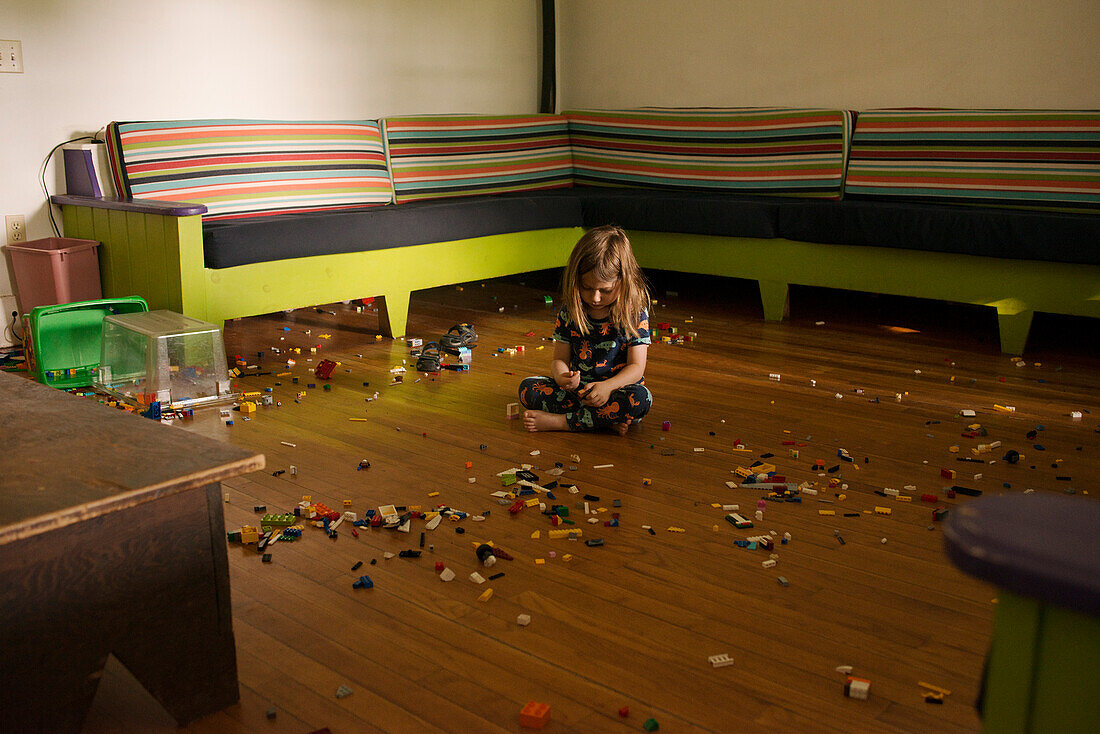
{"x":161,"y":323}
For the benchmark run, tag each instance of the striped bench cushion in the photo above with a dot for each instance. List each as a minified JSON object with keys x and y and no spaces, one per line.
{"x":789,"y":152}
{"x":436,"y":156}
{"x":247,"y":168}
{"x":1014,"y":158}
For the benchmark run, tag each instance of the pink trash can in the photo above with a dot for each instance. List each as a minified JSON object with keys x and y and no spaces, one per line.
{"x":55,"y":270}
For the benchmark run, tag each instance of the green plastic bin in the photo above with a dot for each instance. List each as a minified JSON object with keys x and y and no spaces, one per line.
{"x":63,"y":342}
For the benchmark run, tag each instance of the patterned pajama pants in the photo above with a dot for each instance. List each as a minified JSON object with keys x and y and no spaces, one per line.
{"x":626,"y":405}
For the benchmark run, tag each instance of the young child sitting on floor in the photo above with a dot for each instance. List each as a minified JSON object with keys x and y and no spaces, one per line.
{"x":600,"y":343}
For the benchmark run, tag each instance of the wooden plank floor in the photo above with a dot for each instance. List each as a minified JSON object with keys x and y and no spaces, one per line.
{"x":631,"y":624}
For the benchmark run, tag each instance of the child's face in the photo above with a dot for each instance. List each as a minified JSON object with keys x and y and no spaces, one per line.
{"x":598,"y":295}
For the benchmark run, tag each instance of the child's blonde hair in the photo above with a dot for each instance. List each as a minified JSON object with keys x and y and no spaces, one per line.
{"x":605,"y":252}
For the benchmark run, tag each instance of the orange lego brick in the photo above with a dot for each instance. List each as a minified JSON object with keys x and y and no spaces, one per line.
{"x":535,"y":715}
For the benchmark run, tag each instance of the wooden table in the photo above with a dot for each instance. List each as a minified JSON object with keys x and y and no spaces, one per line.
{"x":112,"y":540}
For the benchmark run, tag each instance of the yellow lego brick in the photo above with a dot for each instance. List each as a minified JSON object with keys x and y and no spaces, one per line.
{"x":764,"y":468}
{"x":676,"y":530}
{"x":248,"y":407}
{"x":904,"y":498}
{"x":533,"y":502}
{"x":826,"y":512}
{"x":953,"y":449}
{"x":486,"y":595}
{"x":883,"y":511}
{"x":567,"y":557}
{"x":536,"y":535}
{"x":540,"y":561}
{"x":743,"y":472}
{"x":716,"y":505}
{"x":931,"y":687}
{"x":433,"y":494}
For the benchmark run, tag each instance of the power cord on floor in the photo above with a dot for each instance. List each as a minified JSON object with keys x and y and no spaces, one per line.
{"x":14,"y":356}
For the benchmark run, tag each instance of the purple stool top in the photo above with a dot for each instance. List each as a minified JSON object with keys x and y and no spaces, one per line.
{"x":1042,"y":546}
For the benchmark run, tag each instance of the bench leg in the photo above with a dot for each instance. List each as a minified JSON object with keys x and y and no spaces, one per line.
{"x":774,"y":295}
{"x":1014,"y":327}
{"x":393,"y":313}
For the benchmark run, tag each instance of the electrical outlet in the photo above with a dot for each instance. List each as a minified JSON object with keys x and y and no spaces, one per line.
{"x":16,"y":227}
{"x":11,"y":56}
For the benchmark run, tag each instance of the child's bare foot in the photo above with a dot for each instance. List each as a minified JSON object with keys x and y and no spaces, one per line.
{"x":620,"y":428}
{"x":540,"y":420}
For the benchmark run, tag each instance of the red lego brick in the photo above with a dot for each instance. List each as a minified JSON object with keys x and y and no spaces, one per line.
{"x":535,"y":715}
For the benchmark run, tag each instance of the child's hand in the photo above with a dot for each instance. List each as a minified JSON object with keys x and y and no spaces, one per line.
{"x":595,"y":394}
{"x":570,"y":380}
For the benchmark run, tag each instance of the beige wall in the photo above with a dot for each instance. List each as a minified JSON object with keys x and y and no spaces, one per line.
{"x":87,"y":63}
{"x":855,"y":54}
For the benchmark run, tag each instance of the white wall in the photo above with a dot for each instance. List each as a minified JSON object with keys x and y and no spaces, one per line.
{"x":854,"y":54}
{"x":88,"y":63}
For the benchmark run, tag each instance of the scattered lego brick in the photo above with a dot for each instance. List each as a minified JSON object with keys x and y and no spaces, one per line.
{"x":534,"y":715}
{"x":858,"y":688}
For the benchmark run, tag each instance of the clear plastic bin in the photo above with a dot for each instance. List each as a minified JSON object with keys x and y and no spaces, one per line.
{"x":55,"y":270}
{"x":163,"y":356}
